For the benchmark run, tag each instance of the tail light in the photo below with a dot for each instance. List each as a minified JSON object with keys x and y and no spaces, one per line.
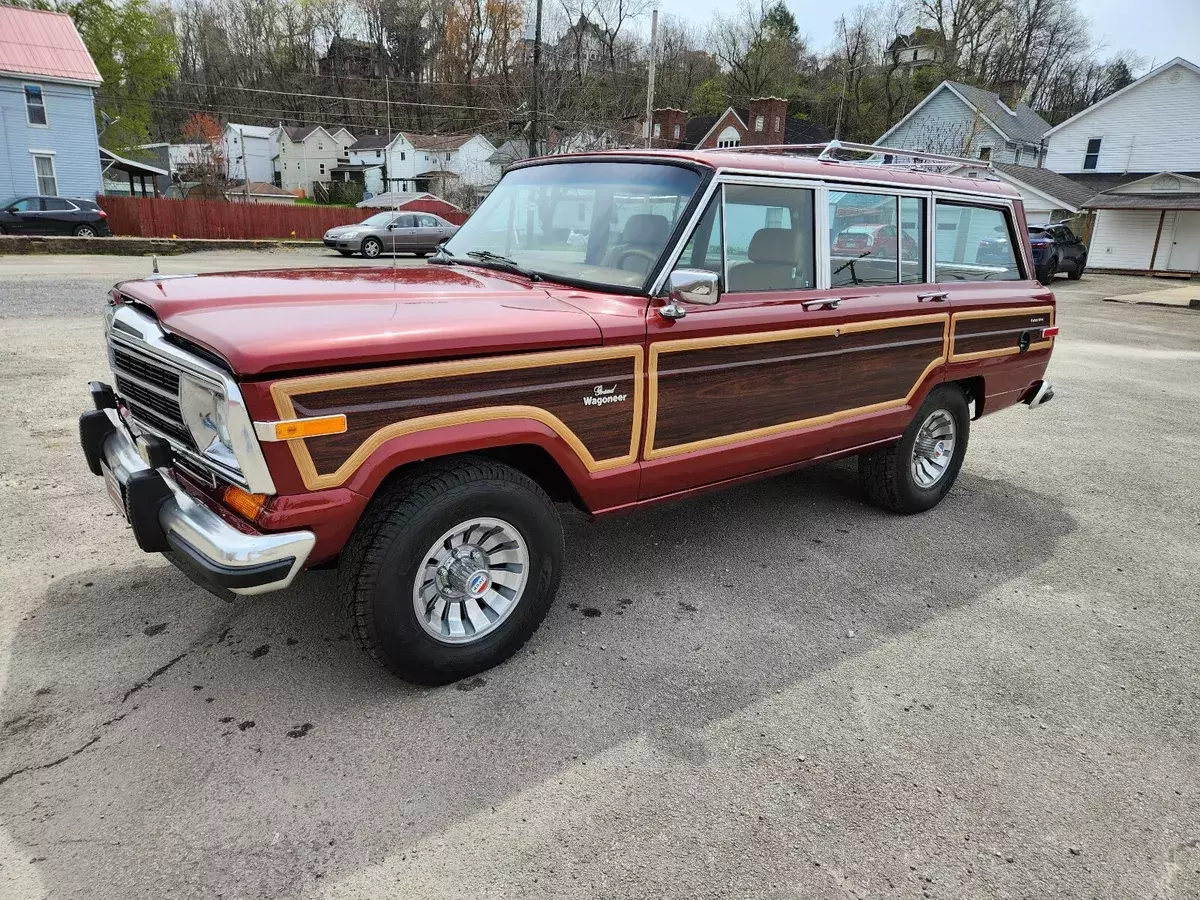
{"x":1049,"y":332}
{"x":102,"y":214}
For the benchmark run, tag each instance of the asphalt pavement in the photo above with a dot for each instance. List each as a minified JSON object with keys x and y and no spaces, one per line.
{"x":775,"y":691}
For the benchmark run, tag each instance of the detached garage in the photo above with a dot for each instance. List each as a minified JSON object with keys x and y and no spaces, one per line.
{"x":1148,"y":225}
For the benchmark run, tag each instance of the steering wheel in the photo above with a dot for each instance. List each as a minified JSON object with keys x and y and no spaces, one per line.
{"x":622,"y":255}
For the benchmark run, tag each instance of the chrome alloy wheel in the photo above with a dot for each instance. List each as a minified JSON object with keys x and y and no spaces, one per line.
{"x":933,"y":448}
{"x":471,"y":581}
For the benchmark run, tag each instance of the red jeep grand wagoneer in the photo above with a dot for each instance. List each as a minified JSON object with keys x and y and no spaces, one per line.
{"x":610,"y":330}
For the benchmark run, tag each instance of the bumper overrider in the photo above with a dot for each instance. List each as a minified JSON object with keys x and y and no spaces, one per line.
{"x":166,"y":519}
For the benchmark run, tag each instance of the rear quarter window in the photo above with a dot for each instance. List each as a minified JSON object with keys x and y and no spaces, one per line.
{"x":974,"y":243}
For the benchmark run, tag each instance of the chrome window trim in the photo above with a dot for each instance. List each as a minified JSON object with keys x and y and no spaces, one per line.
{"x":142,"y":334}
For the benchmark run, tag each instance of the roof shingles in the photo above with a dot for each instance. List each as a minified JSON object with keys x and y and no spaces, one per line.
{"x":1017,"y":123}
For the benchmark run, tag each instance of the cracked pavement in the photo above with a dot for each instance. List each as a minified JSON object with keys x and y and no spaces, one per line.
{"x":774,"y":691}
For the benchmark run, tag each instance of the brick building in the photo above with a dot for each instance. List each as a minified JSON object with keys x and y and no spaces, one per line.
{"x":766,"y":121}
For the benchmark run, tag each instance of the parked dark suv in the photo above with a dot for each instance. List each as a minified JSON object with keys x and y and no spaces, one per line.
{"x":53,"y":215}
{"x":1056,"y":249}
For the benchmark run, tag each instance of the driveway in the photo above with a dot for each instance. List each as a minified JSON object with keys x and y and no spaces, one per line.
{"x":775,"y":691}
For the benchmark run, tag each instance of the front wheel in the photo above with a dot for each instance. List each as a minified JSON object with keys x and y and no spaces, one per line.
{"x":1077,"y":270}
{"x":372,"y":247}
{"x":916,"y":472}
{"x":452,"y":569}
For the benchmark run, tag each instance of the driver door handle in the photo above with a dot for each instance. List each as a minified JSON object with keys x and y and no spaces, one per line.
{"x":824,"y":303}
{"x":934,"y":297}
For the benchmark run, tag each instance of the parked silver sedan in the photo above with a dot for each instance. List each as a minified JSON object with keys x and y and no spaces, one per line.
{"x":391,"y":232}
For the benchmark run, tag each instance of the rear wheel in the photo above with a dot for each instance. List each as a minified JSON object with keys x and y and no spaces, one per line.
{"x":84,"y":231}
{"x":916,"y":472}
{"x":1045,"y":273}
{"x":372,"y":247}
{"x":1077,"y":270}
{"x":452,"y":569}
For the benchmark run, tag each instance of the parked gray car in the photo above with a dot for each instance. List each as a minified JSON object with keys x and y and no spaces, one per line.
{"x":390,"y":232}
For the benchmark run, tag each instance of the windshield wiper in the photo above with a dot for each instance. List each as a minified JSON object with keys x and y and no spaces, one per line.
{"x":442,"y":258}
{"x":503,"y":262}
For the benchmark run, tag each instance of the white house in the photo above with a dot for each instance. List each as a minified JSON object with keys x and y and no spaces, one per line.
{"x":308,"y":153}
{"x":1047,"y":196}
{"x":1138,"y":151}
{"x":423,"y":162}
{"x":249,"y":148}
{"x":962,"y":120}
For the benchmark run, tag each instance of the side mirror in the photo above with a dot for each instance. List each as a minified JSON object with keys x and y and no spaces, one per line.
{"x":690,"y":286}
{"x":391,"y":226}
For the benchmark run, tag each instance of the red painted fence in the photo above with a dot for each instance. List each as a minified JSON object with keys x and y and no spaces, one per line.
{"x":194,"y":218}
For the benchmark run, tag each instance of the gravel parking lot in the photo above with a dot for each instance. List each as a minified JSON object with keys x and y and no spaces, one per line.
{"x":771,"y":692}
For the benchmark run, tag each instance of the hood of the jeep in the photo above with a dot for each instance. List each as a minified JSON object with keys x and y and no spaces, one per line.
{"x":297,"y":319}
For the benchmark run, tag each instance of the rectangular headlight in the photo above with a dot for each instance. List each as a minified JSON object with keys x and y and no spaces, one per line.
{"x":206,"y":415}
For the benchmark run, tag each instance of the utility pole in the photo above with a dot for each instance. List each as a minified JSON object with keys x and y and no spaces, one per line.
{"x":245,"y":165}
{"x":650,"y":78}
{"x":537,"y":62}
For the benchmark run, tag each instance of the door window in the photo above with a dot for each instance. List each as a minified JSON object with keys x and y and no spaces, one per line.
{"x":406,"y":221}
{"x":47,"y":182}
{"x":912,"y":240}
{"x":863,"y":238}
{"x":27,"y":204}
{"x":703,"y":249}
{"x":974,"y":243}
{"x":427,"y":222}
{"x":768,"y":238}
{"x":56,"y":204}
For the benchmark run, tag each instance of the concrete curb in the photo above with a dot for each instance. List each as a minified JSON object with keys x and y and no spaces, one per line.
{"x":134,"y":246}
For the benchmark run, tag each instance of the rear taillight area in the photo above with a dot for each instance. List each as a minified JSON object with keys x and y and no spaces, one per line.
{"x":102,"y":214}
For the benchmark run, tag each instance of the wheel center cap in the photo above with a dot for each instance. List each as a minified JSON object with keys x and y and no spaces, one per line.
{"x":939,"y":449}
{"x":477,"y":584}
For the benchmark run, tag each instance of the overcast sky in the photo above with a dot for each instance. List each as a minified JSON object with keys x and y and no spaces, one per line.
{"x":1157,"y":30}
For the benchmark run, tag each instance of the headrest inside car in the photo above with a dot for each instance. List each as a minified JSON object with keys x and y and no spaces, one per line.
{"x":773,"y":245}
{"x":646,"y":229}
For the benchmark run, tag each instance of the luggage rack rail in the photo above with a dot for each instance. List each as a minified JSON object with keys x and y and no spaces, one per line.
{"x":901,"y":158}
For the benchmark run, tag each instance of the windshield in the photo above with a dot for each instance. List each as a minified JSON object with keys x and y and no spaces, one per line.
{"x":599,"y":222}
{"x":378,"y":220}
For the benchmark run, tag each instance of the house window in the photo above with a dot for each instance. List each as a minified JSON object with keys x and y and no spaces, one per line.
{"x":35,"y":105}
{"x":985,"y":153}
{"x":1093,"y":154}
{"x":47,"y":180}
{"x":657,"y":129}
{"x":401,"y":156}
{"x":777,"y":123}
{"x":379,"y":153}
{"x":322,"y":168}
{"x":676,"y":132}
{"x":1017,"y":156}
{"x":320,"y":146}
{"x":758,"y":123}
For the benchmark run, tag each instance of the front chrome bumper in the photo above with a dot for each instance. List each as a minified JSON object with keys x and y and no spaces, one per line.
{"x":166,"y":518}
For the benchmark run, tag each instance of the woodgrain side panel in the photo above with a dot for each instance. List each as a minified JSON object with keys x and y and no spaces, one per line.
{"x":712,"y":391}
{"x":988,"y":333}
{"x":591,"y":398}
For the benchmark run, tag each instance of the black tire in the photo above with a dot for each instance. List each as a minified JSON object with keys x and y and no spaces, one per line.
{"x":1077,"y":270}
{"x":84,"y":231}
{"x":372,"y":247}
{"x":886,"y":473}
{"x":1045,"y":274}
{"x":387,"y":551}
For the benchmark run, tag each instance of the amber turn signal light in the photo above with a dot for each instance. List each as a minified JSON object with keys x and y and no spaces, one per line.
{"x":245,"y":504}
{"x":300,"y":428}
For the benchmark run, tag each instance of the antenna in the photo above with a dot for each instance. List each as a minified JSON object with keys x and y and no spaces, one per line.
{"x":154,"y":264}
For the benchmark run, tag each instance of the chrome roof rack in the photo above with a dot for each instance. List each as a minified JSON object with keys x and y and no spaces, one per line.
{"x":903,"y":158}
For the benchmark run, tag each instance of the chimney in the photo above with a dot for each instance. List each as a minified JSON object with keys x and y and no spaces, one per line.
{"x":1010,"y":92}
{"x":672,"y":127}
{"x":767,"y":123}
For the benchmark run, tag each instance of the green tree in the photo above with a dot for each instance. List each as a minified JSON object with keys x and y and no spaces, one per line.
{"x":134,"y":46}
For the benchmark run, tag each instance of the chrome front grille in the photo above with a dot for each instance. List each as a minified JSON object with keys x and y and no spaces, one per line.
{"x":150,"y":389}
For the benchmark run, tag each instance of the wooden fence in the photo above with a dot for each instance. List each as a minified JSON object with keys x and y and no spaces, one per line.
{"x":163,"y":218}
